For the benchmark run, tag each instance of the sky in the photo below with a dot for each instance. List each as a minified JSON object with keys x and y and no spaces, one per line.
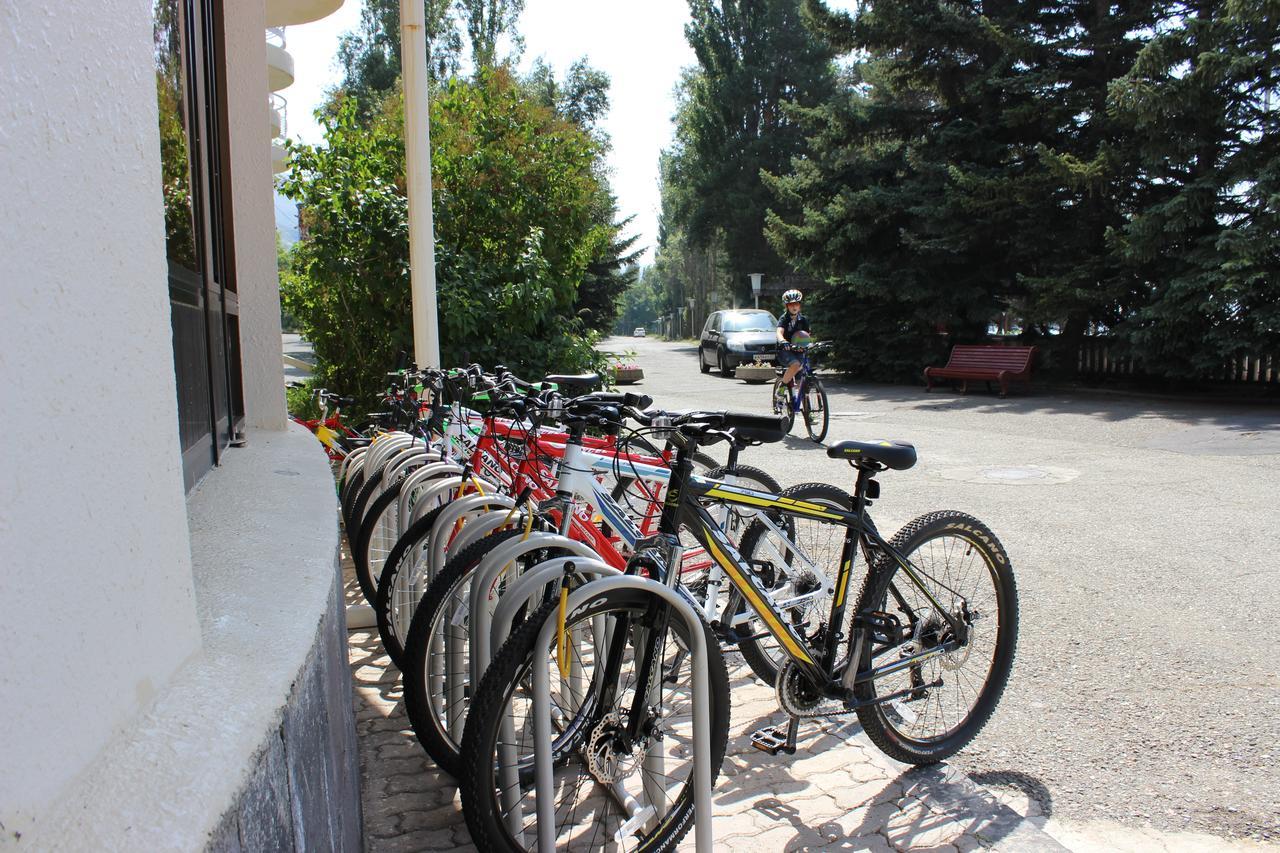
{"x":640,"y":46}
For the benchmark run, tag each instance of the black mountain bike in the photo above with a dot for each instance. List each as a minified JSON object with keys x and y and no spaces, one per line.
{"x":921,"y":657}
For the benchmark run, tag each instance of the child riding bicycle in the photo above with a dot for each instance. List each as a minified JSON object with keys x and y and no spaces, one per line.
{"x":793,"y":328}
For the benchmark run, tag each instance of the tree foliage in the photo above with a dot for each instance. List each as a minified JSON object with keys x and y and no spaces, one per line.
{"x":1083,"y":166}
{"x":371,"y":55}
{"x":515,"y":194}
{"x":1206,"y":237}
{"x":755,"y":59}
{"x":530,"y":260}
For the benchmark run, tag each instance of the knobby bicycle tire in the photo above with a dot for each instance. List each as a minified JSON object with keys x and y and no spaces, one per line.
{"x":509,"y":673}
{"x":919,"y":542}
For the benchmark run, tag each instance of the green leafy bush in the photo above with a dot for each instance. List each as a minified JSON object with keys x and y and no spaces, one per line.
{"x":515,"y":195}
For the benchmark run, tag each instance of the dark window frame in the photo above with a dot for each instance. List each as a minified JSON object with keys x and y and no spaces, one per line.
{"x":204,"y":303}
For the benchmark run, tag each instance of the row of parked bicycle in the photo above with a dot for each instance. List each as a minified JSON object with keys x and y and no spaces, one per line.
{"x":558,"y":576}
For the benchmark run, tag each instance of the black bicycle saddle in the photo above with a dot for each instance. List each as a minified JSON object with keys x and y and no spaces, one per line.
{"x":898,"y":455}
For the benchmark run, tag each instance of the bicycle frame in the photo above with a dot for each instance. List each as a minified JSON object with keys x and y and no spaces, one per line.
{"x":816,"y":664}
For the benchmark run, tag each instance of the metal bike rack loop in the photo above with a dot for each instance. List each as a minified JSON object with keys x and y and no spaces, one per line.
{"x":427,"y":472}
{"x":542,"y":735}
{"x":402,"y":462}
{"x":499,"y":622}
{"x":349,"y":460}
{"x":436,"y":493}
{"x":432,"y":494}
{"x":469,"y":505}
{"x":496,"y":562}
{"x":460,"y":646}
{"x":482,"y":526}
{"x":499,"y":505}
{"x":381,"y":450}
{"x":521,"y":592}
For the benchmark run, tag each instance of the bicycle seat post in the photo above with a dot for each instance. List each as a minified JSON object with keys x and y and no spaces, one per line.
{"x":865,"y":490}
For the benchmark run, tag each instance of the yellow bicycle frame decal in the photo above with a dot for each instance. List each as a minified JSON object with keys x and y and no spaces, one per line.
{"x":731,"y":494}
{"x":844,"y":583}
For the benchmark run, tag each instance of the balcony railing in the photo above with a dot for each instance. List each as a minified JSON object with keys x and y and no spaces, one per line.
{"x":279,"y":119}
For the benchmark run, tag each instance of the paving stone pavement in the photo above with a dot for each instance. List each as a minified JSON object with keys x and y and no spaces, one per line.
{"x":838,"y":792}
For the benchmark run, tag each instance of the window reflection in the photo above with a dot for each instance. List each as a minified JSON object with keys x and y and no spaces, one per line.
{"x":175,"y":165}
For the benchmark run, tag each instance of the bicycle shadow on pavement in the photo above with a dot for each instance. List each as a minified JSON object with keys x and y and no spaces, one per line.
{"x":838,"y":792}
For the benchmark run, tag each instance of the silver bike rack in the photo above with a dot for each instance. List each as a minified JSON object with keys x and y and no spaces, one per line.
{"x":521,"y":592}
{"x":543,"y":738}
{"x":524,"y":590}
{"x":452,"y":514}
{"x":437,"y":493}
{"x":399,"y":462}
{"x":417,"y":581}
{"x":430,"y":471}
{"x":350,"y":460}
{"x":459,"y":646}
{"x":382,"y":449}
{"x":482,"y":526}
{"x":494,"y":564}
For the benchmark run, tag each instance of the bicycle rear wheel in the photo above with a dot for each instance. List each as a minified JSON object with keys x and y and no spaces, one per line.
{"x":597,"y":775}
{"x":943,"y":702}
{"x":814,"y":408}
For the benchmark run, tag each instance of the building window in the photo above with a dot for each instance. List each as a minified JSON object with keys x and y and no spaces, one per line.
{"x":204,"y":308}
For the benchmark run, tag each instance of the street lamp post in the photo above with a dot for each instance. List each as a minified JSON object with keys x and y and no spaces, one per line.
{"x":756,"y":279}
{"x":692,"y":333}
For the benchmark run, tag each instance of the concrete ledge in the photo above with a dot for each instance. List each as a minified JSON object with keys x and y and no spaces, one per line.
{"x":251,"y":746}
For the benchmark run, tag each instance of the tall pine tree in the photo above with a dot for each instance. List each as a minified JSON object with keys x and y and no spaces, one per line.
{"x":923,"y":196}
{"x":754,"y":58}
{"x":1205,"y":240}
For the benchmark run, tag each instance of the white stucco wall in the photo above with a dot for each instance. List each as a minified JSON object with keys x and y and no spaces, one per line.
{"x":96,"y":597}
{"x":254,"y":214}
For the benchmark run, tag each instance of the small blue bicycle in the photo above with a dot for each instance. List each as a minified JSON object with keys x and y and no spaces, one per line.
{"x":809,"y":398}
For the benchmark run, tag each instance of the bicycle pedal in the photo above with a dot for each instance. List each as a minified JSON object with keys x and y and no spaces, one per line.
{"x":773,"y":740}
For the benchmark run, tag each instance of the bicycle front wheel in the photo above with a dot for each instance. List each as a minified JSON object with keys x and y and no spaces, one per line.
{"x":814,"y":408}
{"x":782,"y":402}
{"x":611,"y":792}
{"x":940,"y":704}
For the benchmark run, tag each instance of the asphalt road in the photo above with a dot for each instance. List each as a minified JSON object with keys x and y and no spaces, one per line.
{"x":1143,"y":533}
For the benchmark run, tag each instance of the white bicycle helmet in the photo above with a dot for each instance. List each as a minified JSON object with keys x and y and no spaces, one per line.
{"x":792,"y":295}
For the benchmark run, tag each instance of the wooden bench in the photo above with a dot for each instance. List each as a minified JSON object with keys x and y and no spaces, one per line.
{"x":985,"y":363}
